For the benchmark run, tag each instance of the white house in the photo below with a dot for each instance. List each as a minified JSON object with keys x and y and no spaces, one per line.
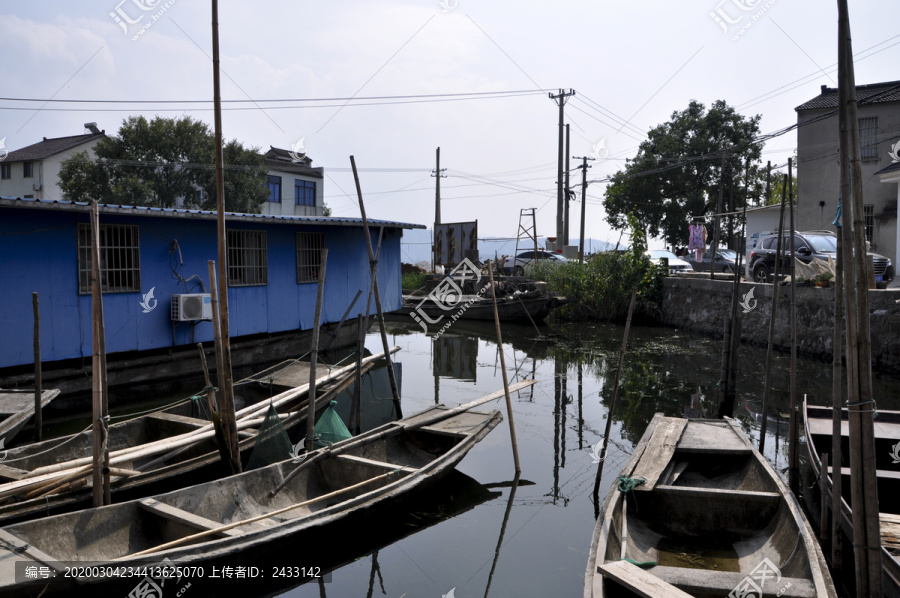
{"x":33,"y":172}
{"x":295,"y":187}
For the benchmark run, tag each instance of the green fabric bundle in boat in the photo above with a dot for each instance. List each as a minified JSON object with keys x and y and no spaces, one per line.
{"x":330,"y":428}
{"x":272,"y":442}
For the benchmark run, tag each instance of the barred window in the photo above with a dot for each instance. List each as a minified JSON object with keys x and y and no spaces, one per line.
{"x":247,"y":260}
{"x":120,"y":259}
{"x":869,"y":221}
{"x":868,"y":137}
{"x":309,"y":256}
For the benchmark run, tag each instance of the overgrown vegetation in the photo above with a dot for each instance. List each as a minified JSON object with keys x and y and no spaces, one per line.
{"x":411,"y":281}
{"x":600,"y":289}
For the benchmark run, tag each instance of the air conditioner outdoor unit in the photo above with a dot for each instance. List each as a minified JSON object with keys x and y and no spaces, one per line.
{"x":195,"y":306}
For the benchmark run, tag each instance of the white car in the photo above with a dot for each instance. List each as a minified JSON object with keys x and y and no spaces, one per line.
{"x":525,"y":260}
{"x":676,"y":264}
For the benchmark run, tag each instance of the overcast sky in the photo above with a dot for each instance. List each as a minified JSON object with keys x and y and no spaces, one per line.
{"x":631,"y":65}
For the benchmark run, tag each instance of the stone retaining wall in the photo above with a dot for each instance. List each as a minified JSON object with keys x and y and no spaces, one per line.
{"x":702,"y":304}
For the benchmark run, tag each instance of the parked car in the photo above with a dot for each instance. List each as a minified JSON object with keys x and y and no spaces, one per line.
{"x":807,"y":245}
{"x":725,"y":260}
{"x":676,"y":264}
{"x":525,"y":260}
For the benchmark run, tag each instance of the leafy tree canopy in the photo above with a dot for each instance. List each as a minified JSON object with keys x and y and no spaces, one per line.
{"x":154,"y":163}
{"x":676,"y":173}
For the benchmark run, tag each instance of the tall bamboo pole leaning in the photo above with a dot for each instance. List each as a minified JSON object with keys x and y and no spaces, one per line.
{"x":100,"y":471}
{"x":38,"y":391}
{"x":223,"y":441}
{"x":773,"y":313}
{"x":226,"y":388}
{"x":793,"y":432}
{"x":861,"y":406}
{"x":837,"y":353}
{"x":509,"y":410}
{"x":314,"y":354}
{"x":395,"y":391}
{"x":612,"y":405}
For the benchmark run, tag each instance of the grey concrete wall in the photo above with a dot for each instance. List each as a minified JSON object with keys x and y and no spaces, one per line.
{"x":701,"y":305}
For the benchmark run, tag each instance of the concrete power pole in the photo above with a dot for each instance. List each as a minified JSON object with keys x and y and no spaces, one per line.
{"x":561,"y":101}
{"x":584,"y":167}
{"x":437,"y":201}
{"x":566,"y":191}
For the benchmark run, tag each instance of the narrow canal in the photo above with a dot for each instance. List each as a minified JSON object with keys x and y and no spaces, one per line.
{"x":472,"y":535}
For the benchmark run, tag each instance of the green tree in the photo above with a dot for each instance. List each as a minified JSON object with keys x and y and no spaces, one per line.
{"x":676,"y":172}
{"x":154,"y":163}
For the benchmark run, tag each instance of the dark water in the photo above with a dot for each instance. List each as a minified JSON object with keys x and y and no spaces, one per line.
{"x":471,"y":535}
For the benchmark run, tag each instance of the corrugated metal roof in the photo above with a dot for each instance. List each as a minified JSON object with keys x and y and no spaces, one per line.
{"x":53,"y":204}
{"x":875,"y":93}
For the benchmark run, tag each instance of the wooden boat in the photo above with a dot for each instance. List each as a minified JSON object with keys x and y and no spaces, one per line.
{"x":16,"y":408}
{"x":247,"y":519}
{"x":152,"y":453}
{"x":711,"y":519}
{"x":887,"y":466}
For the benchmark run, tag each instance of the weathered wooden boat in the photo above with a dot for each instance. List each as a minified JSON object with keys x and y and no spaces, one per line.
{"x":517,"y":307}
{"x":887,"y":466}
{"x":16,"y":408}
{"x":711,"y":518}
{"x":150,"y":453}
{"x":243,"y":520}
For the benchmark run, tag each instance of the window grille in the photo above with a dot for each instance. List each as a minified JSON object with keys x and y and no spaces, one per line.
{"x":247,"y":259}
{"x":309,"y":256}
{"x":868,"y":137}
{"x":120,"y":259}
{"x":869,"y":221}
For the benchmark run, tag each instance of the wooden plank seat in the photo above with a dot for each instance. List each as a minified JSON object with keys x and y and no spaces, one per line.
{"x":639,"y":581}
{"x":193,"y":520}
{"x":703,"y":581}
{"x":693,"y":492}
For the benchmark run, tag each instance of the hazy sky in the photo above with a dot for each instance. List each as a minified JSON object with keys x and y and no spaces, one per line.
{"x":631,"y":65}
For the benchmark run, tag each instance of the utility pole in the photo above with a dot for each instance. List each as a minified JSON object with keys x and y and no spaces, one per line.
{"x":565,"y":240}
{"x":437,"y":200}
{"x":584,"y":166}
{"x":561,"y":101}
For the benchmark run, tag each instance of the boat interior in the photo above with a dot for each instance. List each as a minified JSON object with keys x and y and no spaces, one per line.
{"x":709,"y":518}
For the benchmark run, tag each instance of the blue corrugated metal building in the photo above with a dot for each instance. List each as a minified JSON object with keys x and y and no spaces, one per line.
{"x":273,"y":268}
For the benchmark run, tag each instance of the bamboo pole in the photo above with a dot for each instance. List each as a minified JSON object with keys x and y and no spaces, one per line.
{"x":612,"y":406}
{"x":861,"y":406}
{"x":222,"y":439}
{"x":774,"y":312}
{"x":100,"y":469}
{"x":38,"y":391}
{"x":395,"y":389}
{"x":837,"y":353}
{"x":210,"y":391}
{"x":314,"y":352}
{"x":226,"y":387}
{"x":509,"y":410}
{"x":793,"y":431}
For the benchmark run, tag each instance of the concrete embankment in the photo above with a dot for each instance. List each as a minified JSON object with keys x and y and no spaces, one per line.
{"x":702,"y":304}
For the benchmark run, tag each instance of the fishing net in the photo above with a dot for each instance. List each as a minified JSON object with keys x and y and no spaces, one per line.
{"x":272,"y":442}
{"x":330,"y":428}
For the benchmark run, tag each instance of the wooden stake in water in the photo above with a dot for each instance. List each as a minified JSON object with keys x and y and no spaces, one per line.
{"x":100,"y":476}
{"x":38,"y":391}
{"x":314,"y":355}
{"x":509,"y":410}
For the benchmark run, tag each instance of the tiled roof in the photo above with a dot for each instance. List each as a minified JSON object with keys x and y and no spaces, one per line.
{"x":865,"y":94}
{"x":283,"y":160}
{"x":50,"y":204}
{"x":895,"y":167}
{"x":49,"y":147}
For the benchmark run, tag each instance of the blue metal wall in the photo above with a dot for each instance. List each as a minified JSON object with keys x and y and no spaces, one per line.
{"x":38,"y":253}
